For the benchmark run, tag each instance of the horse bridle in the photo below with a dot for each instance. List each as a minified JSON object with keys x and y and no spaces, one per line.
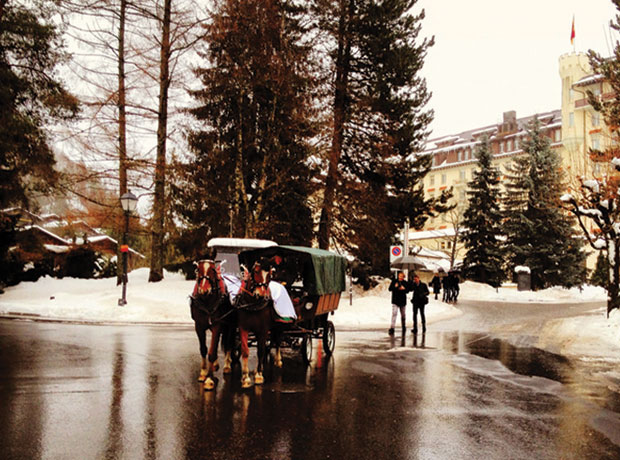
{"x":251,"y":292}
{"x":216,"y":291}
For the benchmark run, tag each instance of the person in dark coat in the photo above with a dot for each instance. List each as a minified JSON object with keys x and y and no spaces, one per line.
{"x":399,"y":288}
{"x":445,"y":284}
{"x":436,"y":284}
{"x":455,"y":287}
{"x":419,"y":301}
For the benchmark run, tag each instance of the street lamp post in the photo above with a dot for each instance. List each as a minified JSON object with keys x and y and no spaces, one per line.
{"x":128,"y":202}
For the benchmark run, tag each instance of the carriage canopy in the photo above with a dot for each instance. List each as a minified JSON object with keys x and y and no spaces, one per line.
{"x":321,"y":271}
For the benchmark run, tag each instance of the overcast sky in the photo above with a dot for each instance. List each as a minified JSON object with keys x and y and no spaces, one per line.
{"x":491,"y":56}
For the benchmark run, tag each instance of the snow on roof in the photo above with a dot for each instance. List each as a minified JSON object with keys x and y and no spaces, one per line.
{"x":96,"y":239}
{"x":589,"y":80}
{"x":58,"y":249}
{"x":484,"y":131}
{"x":240,"y":243}
{"x":47,"y":232}
{"x":427,"y":234}
{"x":425,"y":252}
{"x":470,"y":136}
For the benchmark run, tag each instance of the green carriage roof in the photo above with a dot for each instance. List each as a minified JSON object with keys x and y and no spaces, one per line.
{"x":324,"y":272}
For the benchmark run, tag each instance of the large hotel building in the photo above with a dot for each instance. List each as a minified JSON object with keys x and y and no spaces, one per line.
{"x":573,"y":130}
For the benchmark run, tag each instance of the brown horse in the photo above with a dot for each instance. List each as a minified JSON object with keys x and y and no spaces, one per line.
{"x":211,"y":309}
{"x":255,"y":313}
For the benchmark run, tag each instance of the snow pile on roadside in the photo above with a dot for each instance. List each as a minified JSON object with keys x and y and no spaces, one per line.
{"x":478,"y":291}
{"x":585,"y":335}
{"x":167,"y":301}
{"x":97,"y":300}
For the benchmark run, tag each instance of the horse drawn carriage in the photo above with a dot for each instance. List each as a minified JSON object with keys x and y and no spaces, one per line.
{"x":264,"y":277}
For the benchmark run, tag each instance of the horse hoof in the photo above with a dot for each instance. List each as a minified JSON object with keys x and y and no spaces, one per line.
{"x":202,"y":376}
{"x":209,"y":384}
{"x":278,"y":363}
{"x":259,"y":379}
{"x":227,"y":369}
{"x":216,"y":366}
{"x":246,"y":382}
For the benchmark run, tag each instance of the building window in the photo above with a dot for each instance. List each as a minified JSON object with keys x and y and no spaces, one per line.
{"x":571,"y":119}
{"x":557,"y":135}
{"x":443,"y":178}
{"x":571,"y":94}
{"x":516,"y":143}
{"x":596,"y":143}
{"x":462,"y":175}
{"x":596,"y":119}
{"x":462,"y":195}
{"x":596,"y":169}
{"x":432,"y":180}
{"x":501,"y":147}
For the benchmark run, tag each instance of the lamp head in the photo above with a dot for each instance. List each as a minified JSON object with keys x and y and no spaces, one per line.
{"x":129,"y":202}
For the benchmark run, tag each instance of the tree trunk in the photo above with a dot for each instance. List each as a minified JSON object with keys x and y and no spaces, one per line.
{"x":613,"y":299}
{"x":2,"y":5}
{"x":241,"y":198}
{"x":343,"y":61}
{"x":157,"y":226}
{"x":122,"y":120}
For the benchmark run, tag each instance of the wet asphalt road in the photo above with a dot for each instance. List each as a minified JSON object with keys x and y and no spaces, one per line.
{"x":70,"y":391}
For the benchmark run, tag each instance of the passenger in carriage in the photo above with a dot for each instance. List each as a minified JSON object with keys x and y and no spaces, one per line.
{"x":281,"y":272}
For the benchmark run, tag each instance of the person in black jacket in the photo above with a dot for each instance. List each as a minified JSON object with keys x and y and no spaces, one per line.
{"x":419,"y":301}
{"x":399,"y":288}
{"x":436,"y":285}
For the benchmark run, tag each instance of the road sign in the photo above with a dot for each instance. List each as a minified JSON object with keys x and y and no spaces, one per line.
{"x":395,"y":251}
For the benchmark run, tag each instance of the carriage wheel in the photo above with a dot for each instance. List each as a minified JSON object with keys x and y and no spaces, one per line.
{"x":306,"y":349}
{"x":329,"y":338}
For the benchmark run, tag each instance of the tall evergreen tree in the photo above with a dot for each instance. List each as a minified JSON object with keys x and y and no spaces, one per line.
{"x":30,"y":97}
{"x":249,"y":174}
{"x":482,"y":220}
{"x":379,"y":123}
{"x":539,"y":233}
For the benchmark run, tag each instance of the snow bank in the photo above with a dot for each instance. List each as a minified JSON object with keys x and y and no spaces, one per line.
{"x":97,"y":300}
{"x":509,"y":293}
{"x":167,"y":301}
{"x":585,"y":336}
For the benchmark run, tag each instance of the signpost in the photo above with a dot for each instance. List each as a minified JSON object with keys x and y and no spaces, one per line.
{"x":395,"y":252}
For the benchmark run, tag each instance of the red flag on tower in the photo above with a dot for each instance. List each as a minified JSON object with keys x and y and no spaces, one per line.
{"x":572,"y":32}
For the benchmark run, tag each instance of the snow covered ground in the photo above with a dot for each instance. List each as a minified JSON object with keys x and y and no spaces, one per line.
{"x":167,"y":302}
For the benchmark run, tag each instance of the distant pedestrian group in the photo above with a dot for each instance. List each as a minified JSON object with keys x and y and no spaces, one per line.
{"x":451,"y":288}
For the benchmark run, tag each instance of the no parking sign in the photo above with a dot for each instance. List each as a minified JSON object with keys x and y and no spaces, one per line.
{"x":395,"y":251}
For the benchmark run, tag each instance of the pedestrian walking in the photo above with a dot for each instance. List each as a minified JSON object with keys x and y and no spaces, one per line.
{"x":455,"y":288}
{"x":445,"y":284}
{"x":399,"y":288}
{"x":419,"y":301}
{"x":436,"y":284}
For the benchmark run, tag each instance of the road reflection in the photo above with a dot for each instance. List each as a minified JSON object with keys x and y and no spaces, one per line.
{"x":132,"y":393}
